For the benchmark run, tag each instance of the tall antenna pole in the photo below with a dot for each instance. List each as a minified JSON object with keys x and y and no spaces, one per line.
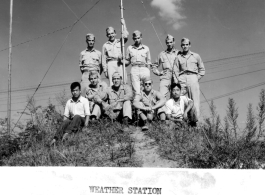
{"x":9,"y":70}
{"x":122,"y":39}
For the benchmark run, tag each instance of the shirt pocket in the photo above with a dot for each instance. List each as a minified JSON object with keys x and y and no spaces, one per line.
{"x":193,"y":64}
{"x":95,"y":60}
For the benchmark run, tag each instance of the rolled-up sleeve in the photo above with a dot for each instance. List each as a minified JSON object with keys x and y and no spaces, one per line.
{"x":80,"y":59}
{"x":148,"y":56}
{"x":104,"y":58}
{"x":201,"y":68}
{"x":127,"y":55}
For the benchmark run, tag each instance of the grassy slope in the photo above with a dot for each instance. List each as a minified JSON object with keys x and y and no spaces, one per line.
{"x":99,"y":145}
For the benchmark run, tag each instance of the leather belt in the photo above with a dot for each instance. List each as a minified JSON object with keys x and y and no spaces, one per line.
{"x":140,"y":64}
{"x":112,"y":59}
{"x":189,"y":73}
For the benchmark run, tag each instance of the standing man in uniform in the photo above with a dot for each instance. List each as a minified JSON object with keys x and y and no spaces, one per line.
{"x":90,"y":60}
{"x":117,"y":99}
{"x":149,"y":103}
{"x":138,"y":55}
{"x":191,"y":70}
{"x":111,"y":51}
{"x":96,"y":87}
{"x":169,"y":72}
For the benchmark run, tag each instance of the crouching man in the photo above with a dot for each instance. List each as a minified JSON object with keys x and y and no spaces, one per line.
{"x":117,"y":100}
{"x":148,"y":103}
{"x":180,"y":108}
{"x":76,"y":114}
{"x":96,"y":87}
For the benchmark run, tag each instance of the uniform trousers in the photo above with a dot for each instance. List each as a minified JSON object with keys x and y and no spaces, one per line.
{"x":95,"y":109}
{"x":113,"y":66}
{"x":69,"y":126}
{"x":137,"y":74}
{"x":150,"y":115}
{"x":125,"y":111}
{"x":166,"y":81}
{"x":191,"y":84}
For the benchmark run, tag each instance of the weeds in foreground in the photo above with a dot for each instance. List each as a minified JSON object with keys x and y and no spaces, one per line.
{"x":213,"y":145}
{"x":99,"y":145}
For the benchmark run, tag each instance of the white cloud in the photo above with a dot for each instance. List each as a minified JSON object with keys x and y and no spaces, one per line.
{"x":170,"y":11}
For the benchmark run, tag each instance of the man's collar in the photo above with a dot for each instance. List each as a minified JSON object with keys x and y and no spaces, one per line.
{"x":140,"y":46}
{"x":174,"y":50}
{"x":92,"y":50}
{"x":112,"y":43}
{"x":188,"y":54}
{"x":121,"y":87}
{"x":151,"y":92}
{"x":78,"y":100}
{"x":92,"y":87}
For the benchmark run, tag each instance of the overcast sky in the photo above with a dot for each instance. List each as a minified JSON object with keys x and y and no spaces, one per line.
{"x":218,"y":29}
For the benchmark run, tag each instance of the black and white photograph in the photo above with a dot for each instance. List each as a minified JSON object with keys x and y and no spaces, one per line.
{"x":132,"y":96}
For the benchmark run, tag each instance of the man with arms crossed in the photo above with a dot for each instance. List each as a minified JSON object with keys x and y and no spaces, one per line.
{"x":118,"y":99}
{"x":167,"y":60}
{"x":191,"y":70}
{"x":96,"y":87}
{"x":111,"y":51}
{"x":148,"y":103}
{"x":90,"y":60}
{"x":76,"y":114}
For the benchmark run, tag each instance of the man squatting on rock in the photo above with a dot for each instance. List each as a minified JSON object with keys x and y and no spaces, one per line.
{"x":149,"y":103}
{"x":96,"y":87}
{"x":117,"y":98}
{"x":179,"y":107}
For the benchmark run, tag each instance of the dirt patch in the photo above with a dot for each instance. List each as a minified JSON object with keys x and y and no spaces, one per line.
{"x":146,"y":151}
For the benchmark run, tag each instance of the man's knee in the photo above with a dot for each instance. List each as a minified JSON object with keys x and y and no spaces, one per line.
{"x":150,"y":116}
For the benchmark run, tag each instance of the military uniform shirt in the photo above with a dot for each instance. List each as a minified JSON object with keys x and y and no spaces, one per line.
{"x":149,"y":100}
{"x":192,"y":63}
{"x":138,"y":55}
{"x":90,"y":59}
{"x":110,"y":50}
{"x":100,"y":90}
{"x":124,"y":92}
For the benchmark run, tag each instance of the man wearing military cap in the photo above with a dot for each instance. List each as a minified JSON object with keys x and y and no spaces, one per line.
{"x":167,"y":59}
{"x":90,"y":60}
{"x":111,"y":51}
{"x":191,"y":70}
{"x":96,"y":87}
{"x":138,"y":55}
{"x":149,"y":103}
{"x":117,"y":100}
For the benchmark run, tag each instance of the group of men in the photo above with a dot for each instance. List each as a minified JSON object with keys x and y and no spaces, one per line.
{"x":179,"y":78}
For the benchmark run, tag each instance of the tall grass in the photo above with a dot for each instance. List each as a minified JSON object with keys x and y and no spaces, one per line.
{"x":98,"y":145}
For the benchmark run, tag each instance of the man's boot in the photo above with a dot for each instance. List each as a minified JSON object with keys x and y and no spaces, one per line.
{"x":125,"y":124}
{"x":145,"y":127}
